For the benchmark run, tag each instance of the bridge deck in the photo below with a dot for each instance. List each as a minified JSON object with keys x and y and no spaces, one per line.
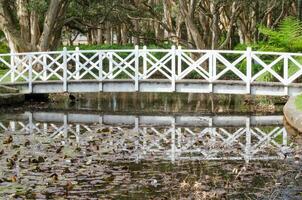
{"x":161,"y":85}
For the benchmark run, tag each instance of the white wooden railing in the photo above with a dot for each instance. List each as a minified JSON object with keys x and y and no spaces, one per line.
{"x":173,"y":65}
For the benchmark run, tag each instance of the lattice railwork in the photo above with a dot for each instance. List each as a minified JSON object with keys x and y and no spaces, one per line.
{"x":154,"y":65}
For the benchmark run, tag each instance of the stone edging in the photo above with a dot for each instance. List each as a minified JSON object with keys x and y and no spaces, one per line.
{"x":292,"y":115}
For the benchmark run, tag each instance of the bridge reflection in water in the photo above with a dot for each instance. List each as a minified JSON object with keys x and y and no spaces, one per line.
{"x":162,"y":137}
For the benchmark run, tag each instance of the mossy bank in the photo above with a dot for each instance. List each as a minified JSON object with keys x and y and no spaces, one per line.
{"x":293,"y":112}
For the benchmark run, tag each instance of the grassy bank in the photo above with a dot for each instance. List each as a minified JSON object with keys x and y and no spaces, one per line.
{"x":298,"y":102}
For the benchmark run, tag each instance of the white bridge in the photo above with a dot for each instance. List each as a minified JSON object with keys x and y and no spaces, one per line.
{"x":162,"y":137}
{"x":154,"y":70}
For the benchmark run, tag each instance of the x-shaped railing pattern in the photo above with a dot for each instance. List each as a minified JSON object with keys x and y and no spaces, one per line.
{"x":167,"y":142}
{"x":147,"y":64}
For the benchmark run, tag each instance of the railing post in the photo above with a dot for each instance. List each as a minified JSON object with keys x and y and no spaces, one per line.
{"x":212,"y":70}
{"x":144,"y":61}
{"x":78,"y":133}
{"x":12,"y":65}
{"x":173,"y":147}
{"x":64,"y":69}
{"x":136,"y":67}
{"x":30,"y":74}
{"x":248,"y":69}
{"x":285,"y":74}
{"x":30,"y":123}
{"x":77,"y":67}
{"x":100,"y":71}
{"x":173,"y":63}
{"x":66,"y":127}
{"x":45,"y":128}
{"x":247,"y":152}
{"x":213,"y":131}
{"x":44,"y":68}
{"x":179,"y":67}
{"x":12,"y":126}
{"x":110,"y":75}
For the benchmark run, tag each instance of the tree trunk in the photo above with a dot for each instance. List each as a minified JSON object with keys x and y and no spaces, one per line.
{"x":215,"y":28}
{"x":23,"y":16}
{"x":136,"y":34}
{"x":118,"y":35}
{"x":167,"y":5}
{"x":108,"y":33}
{"x":124,"y":34}
{"x":187,"y":12}
{"x":100,"y":35}
{"x":89,"y":36}
{"x":34,"y":28}
{"x":8,"y":26}
{"x":55,"y":7}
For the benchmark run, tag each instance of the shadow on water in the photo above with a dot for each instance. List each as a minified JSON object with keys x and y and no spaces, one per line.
{"x":121,"y":147}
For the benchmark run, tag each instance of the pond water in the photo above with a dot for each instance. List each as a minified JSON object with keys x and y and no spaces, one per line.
{"x":130,"y":146}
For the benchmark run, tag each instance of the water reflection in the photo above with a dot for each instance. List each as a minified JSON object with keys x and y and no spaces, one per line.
{"x":170,"y":103}
{"x":173,"y":138}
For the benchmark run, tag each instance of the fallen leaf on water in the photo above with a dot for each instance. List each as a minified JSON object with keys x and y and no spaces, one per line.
{"x":66,"y":170}
{"x":14,"y":179}
{"x":27,"y":143}
{"x":68,"y":186}
{"x":298,"y":175}
{"x":8,"y":140}
{"x":184,"y":185}
{"x":59,"y":149}
{"x":197,"y":185}
{"x":89,"y":162}
{"x":10,"y":162}
{"x":54,"y":176}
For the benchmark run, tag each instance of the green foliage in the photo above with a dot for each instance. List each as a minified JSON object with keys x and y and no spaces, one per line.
{"x":260,"y":46}
{"x":4,"y":48}
{"x":40,"y":6}
{"x":288,"y":36}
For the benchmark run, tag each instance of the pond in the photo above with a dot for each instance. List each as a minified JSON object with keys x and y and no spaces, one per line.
{"x":153,"y":146}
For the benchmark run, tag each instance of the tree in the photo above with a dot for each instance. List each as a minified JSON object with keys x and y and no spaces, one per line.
{"x":36,"y":25}
{"x":31,"y":25}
